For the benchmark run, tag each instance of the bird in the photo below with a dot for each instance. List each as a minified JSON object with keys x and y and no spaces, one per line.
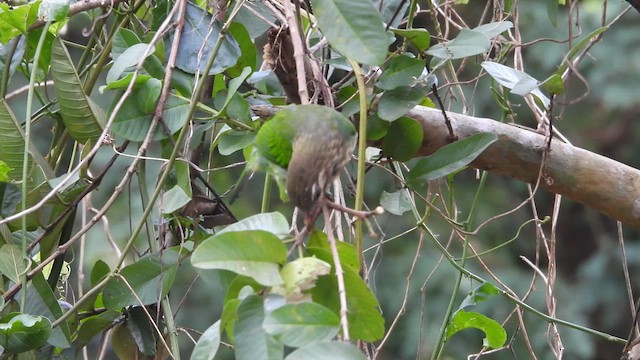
{"x":313,"y":144}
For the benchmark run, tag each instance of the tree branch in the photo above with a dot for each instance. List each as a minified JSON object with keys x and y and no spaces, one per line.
{"x":588,"y":178}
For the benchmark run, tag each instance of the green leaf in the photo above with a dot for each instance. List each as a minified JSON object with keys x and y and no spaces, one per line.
{"x":300,"y":275}
{"x":576,"y":49}
{"x":420,"y":38}
{"x":494,"y":29}
{"x":150,"y":278}
{"x":16,"y":57}
{"x":397,"y":102}
{"x":553,"y":84}
{"x":397,"y":202}
{"x":12,"y":140}
{"x":483,"y":292}
{"x":297,"y":325}
{"x":174,"y":199}
{"x":198,"y":40}
{"x":327,"y":351}
{"x":254,"y":253}
{"x":318,"y":244}
{"x":98,"y":272}
{"x":234,"y":84}
{"x":42,"y":301}
{"x":376,"y":127}
{"x":81,"y":116}
{"x":248,"y":53}
{"x":148,"y":95}
{"x":4,"y":172}
{"x":131,"y":123}
{"x":124,"y":82}
{"x":495,"y":334}
{"x":94,"y":325}
{"x":519,"y":82}
{"x":467,"y":43}
{"x":23,"y":332}
{"x":273,"y":222}
{"x":365,"y":321}
{"x":12,"y":264}
{"x":354,"y":28}
{"x":141,"y":330}
{"x":207,"y":346}
{"x":13,"y":21}
{"x":400,"y":70}
{"x":127,"y":60}
{"x":232,"y":141}
{"x":450,"y":158}
{"x":552,"y":11}
{"x":403,"y":139}
{"x":251,"y":341}
{"x":125,"y":38}
{"x":53,"y":10}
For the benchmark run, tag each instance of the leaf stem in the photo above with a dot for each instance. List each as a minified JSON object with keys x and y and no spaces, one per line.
{"x":362,"y":146}
{"x":25,"y":160}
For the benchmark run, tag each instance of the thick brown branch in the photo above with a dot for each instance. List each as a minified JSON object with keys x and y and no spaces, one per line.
{"x":588,"y":178}
{"x":593,"y":180}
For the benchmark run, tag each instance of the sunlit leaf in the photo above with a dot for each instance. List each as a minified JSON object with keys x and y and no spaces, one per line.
{"x":495,"y":334}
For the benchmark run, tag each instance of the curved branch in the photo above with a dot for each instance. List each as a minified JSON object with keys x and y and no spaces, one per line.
{"x":588,"y":178}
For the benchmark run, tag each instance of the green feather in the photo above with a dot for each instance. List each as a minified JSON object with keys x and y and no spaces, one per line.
{"x":315,"y":128}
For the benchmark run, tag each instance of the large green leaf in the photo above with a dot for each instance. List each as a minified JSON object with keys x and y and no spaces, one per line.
{"x":81,"y":116}
{"x":12,"y":264}
{"x":297,"y":325}
{"x":400,"y":70}
{"x":198,"y":40}
{"x":403,"y":139}
{"x":251,"y":341}
{"x":467,"y":43}
{"x":354,"y":28}
{"x":23,"y":332}
{"x":365,"y":321}
{"x":13,"y":21}
{"x":327,"y":351}
{"x":420,"y":38}
{"x":207,"y":346}
{"x":42,"y":301}
{"x":12,"y":140}
{"x":397,"y":102}
{"x":247,"y":48}
{"x":150,"y":278}
{"x":132,"y":122}
{"x":450,"y":158}
{"x":496,"y":336}
{"x":273,"y":222}
{"x":254,"y":253}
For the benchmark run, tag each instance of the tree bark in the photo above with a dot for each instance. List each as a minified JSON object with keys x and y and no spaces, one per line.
{"x":588,"y":178}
